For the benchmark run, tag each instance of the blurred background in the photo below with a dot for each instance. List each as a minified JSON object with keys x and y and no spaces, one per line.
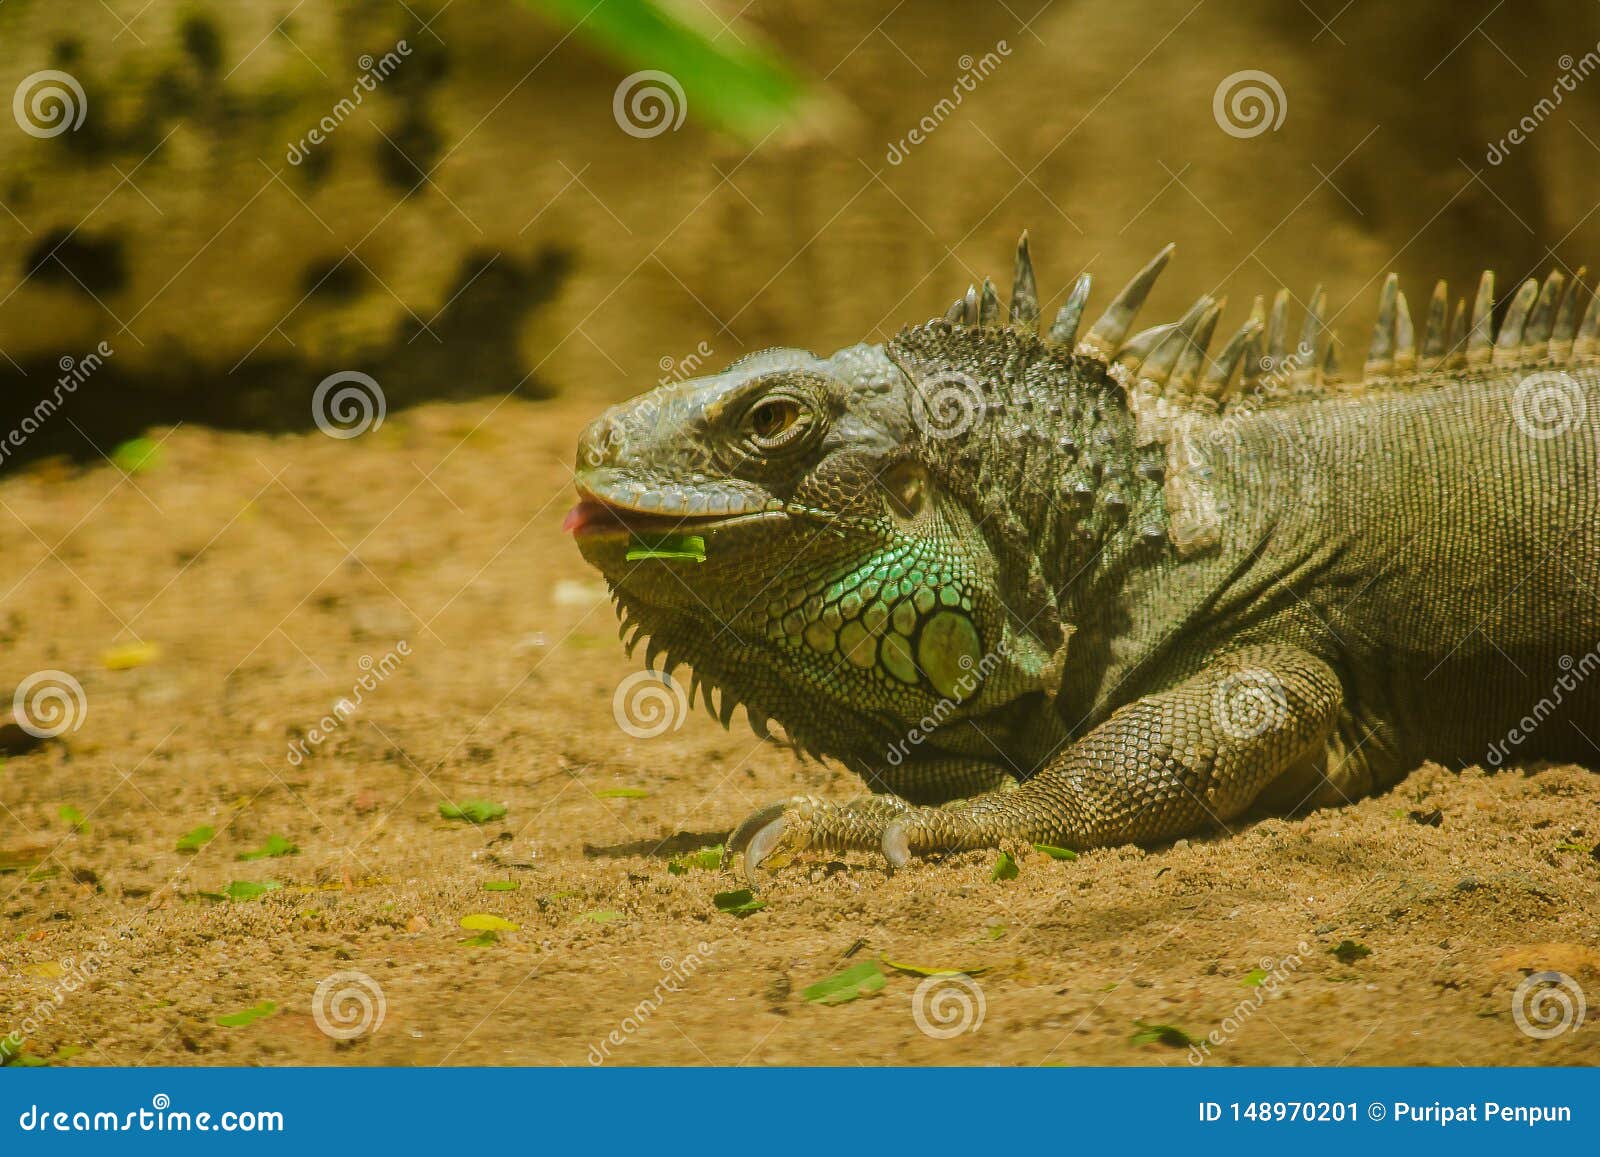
{"x":303,"y":304}
{"x":481,"y":222}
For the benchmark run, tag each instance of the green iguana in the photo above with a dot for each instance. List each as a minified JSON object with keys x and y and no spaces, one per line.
{"x":1085,"y":591}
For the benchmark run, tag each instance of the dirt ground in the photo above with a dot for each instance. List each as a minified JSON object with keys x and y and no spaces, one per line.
{"x":214,"y":605}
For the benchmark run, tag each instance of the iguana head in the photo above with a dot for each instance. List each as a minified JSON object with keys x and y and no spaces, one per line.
{"x":857,"y":544}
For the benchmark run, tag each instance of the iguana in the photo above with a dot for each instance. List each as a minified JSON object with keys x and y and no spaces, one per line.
{"x":1079,"y":591}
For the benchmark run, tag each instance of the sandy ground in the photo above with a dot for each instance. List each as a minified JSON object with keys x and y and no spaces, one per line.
{"x":238,"y":584}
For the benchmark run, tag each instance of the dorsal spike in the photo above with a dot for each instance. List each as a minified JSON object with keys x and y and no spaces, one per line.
{"x":760,"y":722}
{"x":1193,"y":355}
{"x":1024,"y":291}
{"x":1566,"y":326}
{"x":1140,"y":345}
{"x":988,"y":304}
{"x":1330,"y":361}
{"x":969,"y":306}
{"x":1508,"y":342}
{"x":1434,"y":331}
{"x":1064,"y":330}
{"x":1588,"y":341}
{"x":725,"y":711}
{"x":1250,"y":359}
{"x":1311,"y":329}
{"x":1220,"y":374}
{"x":1542,"y":321}
{"x":1106,"y":334}
{"x":957,"y":313}
{"x":1305,"y":356}
{"x":1380,"y":351}
{"x":1480,"y":340}
{"x":1456,"y":345}
{"x":1405,"y":337}
{"x":1278,"y":328}
{"x":1159,"y":364}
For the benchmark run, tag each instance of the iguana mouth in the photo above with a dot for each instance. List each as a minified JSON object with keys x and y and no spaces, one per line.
{"x":593,"y":517}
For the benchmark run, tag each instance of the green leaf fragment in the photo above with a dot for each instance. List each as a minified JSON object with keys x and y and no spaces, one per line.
{"x":488,"y":922}
{"x":682,"y":547}
{"x":1056,"y":853}
{"x":840,"y":988}
{"x":1255,"y":977}
{"x":476,"y":811}
{"x":925,"y":970}
{"x":481,"y":940}
{"x":250,"y":889}
{"x":738,"y":903}
{"x":74,"y":817}
{"x":501,"y":885}
{"x":275,"y":846}
{"x":621,"y":793}
{"x":247,"y":1015}
{"x":602,"y":916}
{"x":707,"y":859}
{"x":136,"y":455}
{"x":1166,"y":1034}
{"x":1005,"y":868}
{"x":193,"y":841}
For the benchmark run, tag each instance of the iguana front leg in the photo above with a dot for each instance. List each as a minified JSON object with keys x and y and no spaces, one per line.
{"x":1169,"y":763}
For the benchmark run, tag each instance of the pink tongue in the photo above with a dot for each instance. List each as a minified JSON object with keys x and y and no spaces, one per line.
{"x":576,"y":518}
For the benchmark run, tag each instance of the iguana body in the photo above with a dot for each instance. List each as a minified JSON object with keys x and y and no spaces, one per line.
{"x":1087,"y":592}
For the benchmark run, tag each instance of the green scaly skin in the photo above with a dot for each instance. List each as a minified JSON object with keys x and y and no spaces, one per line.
{"x":955,"y":563}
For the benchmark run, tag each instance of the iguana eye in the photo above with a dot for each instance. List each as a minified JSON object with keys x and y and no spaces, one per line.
{"x":775,"y":422}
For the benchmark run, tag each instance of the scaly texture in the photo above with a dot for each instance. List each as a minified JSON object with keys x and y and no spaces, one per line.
{"x":1082,"y":590}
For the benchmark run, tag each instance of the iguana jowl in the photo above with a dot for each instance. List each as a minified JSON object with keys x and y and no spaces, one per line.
{"x":1088,"y":591}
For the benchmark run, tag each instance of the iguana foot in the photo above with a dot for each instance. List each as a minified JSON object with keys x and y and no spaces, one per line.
{"x":773,"y":836}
